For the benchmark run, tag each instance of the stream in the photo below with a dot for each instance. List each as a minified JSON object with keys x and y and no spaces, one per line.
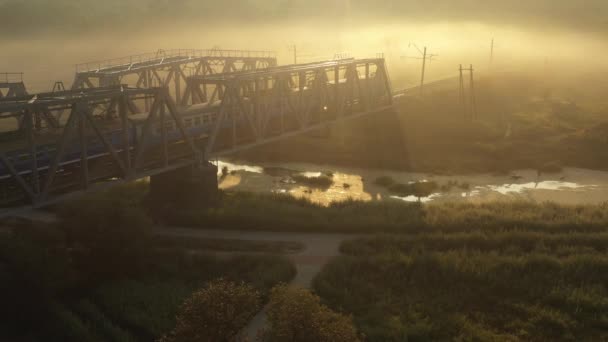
{"x":571,"y":186}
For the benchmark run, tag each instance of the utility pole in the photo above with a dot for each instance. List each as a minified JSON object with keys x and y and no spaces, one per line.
{"x":463,"y":103}
{"x":469,"y":111}
{"x":295,"y":53}
{"x":492,"y":53}
{"x":473,"y":100}
{"x":425,"y":56}
{"x":423,"y":71}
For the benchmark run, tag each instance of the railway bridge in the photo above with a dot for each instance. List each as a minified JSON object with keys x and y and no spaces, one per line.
{"x":216,"y":113}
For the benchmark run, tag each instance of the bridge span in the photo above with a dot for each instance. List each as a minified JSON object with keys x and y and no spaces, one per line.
{"x":168,"y":68}
{"x":93,"y":147}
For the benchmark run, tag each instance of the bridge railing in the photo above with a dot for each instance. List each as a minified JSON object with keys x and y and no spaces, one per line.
{"x":173,"y":53}
{"x":11,"y":77}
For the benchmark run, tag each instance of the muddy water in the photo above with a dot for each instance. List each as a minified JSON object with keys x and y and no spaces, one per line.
{"x":571,"y":186}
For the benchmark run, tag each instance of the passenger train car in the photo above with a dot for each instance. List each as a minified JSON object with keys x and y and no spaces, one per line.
{"x":198,"y":120}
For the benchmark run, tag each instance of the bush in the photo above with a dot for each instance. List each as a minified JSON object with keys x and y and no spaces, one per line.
{"x":216,"y":313}
{"x":297,"y":315}
{"x":322,"y":181}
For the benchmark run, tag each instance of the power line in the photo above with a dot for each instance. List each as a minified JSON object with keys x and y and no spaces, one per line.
{"x":425,"y":56}
{"x":469,"y":110}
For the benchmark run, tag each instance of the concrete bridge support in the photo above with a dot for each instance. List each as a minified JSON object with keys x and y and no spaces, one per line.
{"x":191,"y":185}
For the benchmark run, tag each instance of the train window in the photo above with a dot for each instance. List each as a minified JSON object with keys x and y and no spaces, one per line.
{"x":24,"y":157}
{"x":169,"y":126}
{"x":188,"y":123}
{"x":206,"y":119}
{"x":197,"y":121}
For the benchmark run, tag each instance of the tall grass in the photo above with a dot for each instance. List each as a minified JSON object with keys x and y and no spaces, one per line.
{"x":526,"y":286}
{"x":285,"y":213}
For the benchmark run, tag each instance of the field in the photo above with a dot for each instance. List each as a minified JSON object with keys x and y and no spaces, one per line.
{"x":284,"y":213}
{"x":517,"y":285}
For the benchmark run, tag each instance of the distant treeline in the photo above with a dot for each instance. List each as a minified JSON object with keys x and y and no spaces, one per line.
{"x":22,"y":17}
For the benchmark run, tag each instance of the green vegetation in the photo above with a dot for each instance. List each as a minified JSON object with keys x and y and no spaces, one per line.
{"x":418,"y":189}
{"x":228,"y":245}
{"x":100,"y":275}
{"x":285,"y":213}
{"x":515,"y":286}
{"x":217,"y":312}
{"x":519,"y":127}
{"x":322,"y":181}
{"x":297,"y":315}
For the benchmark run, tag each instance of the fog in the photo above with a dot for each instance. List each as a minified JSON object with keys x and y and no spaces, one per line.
{"x":46,"y":39}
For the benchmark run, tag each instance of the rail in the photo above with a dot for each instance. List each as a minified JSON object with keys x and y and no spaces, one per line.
{"x":174,"y":53}
{"x":11,"y":77}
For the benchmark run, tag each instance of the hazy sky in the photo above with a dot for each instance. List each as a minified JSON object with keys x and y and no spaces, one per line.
{"x":526,"y":32}
{"x":49,"y":16}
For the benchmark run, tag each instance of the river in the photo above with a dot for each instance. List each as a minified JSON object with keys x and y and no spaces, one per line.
{"x":571,"y":186}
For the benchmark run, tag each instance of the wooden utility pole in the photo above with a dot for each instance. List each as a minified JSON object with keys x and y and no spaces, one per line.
{"x":492,"y":53}
{"x":295,"y":53}
{"x":463,"y":103}
{"x":425,"y":56}
{"x":469,"y":109}
{"x":423,"y":71}
{"x":473,"y":100}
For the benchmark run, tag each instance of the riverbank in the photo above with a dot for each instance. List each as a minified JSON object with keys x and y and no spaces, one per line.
{"x":521,"y":123}
{"x":277,"y":212}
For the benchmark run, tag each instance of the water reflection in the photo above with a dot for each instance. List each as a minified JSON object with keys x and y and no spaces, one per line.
{"x":359,"y":184}
{"x":418,"y":199}
{"x":544,"y":185}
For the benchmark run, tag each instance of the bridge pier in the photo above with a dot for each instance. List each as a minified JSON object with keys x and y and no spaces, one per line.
{"x":192,"y":185}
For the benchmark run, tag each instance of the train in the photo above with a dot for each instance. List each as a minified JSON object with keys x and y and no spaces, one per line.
{"x":197,"y":120}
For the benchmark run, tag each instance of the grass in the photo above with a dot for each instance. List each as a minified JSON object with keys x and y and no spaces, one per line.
{"x":515,"y":286}
{"x":148,"y":305}
{"x":514,"y":131}
{"x":100,"y":275}
{"x":285,"y":213}
{"x":228,"y":245}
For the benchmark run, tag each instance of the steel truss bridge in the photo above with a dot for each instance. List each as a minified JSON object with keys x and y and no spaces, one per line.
{"x":227,"y":112}
{"x":168,"y":68}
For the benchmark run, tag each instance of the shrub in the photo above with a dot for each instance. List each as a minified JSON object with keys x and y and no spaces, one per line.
{"x":322,"y":181}
{"x":215,"y":313}
{"x":297,"y":315}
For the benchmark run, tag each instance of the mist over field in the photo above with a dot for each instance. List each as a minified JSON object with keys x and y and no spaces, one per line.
{"x":377,"y":194}
{"x":45,"y":39}
{"x":66,"y":15}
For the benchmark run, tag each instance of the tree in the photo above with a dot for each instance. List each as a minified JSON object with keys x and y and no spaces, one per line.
{"x":216,"y":313}
{"x":297,"y":315}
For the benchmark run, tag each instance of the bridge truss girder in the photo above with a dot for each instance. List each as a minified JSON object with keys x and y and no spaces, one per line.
{"x":262,"y":106}
{"x":173,"y":72}
{"x":111,"y":163}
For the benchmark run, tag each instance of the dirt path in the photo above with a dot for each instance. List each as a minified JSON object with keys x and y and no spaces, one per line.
{"x":318,"y":250}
